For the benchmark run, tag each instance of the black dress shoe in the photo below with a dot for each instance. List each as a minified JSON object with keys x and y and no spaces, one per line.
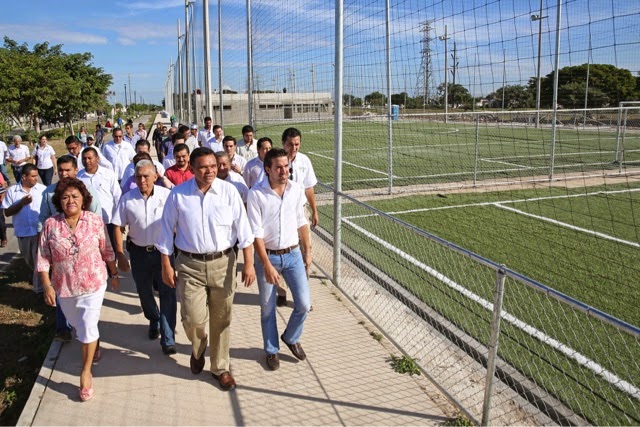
{"x":296,"y":349}
{"x":197,"y":365}
{"x":169,"y":349}
{"x":154,"y":334}
{"x":281,"y":301}
{"x":273,"y":361}
{"x":226,"y":380}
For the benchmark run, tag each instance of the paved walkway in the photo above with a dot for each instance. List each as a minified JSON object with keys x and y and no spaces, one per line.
{"x":345,"y":380}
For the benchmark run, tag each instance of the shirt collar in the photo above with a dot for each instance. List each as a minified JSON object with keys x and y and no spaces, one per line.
{"x":214,"y":188}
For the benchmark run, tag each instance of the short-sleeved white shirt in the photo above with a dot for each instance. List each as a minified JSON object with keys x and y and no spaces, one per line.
{"x":104,"y":183}
{"x":276,"y":219}
{"x":204,"y":222}
{"x":25,"y":222}
{"x":119,"y":155}
{"x":240,"y":161}
{"x":130,"y":170}
{"x":3,"y":151}
{"x":303,"y":172}
{"x":248,"y":152}
{"x":43,"y":154}
{"x":142,"y":215}
{"x":17,"y":153}
{"x":207,"y":138}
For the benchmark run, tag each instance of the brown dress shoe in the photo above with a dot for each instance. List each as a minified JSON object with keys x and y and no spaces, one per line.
{"x":226,"y":381}
{"x":197,"y":364}
{"x":296,"y":349}
{"x":273,"y":361}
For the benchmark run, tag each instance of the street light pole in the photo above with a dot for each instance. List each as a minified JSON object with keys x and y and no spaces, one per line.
{"x":446,"y":75}
{"x":538,"y":18}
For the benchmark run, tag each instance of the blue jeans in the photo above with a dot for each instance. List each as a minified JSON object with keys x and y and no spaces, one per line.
{"x":61,"y":320}
{"x":147,"y":274}
{"x":5,"y":174}
{"x":291,"y":267}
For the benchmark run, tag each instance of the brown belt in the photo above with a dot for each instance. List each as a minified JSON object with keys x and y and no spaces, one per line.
{"x":205,"y":257}
{"x":281,"y":251}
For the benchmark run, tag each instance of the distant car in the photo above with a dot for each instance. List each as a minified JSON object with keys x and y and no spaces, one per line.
{"x":164,"y":115}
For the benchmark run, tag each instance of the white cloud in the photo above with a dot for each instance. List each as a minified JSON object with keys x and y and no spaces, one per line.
{"x":150,"y":5}
{"x":50,"y":34}
{"x":124,"y":41}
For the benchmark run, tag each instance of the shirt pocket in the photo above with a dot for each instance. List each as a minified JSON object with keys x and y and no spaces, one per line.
{"x":222,"y":222}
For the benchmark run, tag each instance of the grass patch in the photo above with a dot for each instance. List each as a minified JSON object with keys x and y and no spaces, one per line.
{"x":376,"y":336}
{"x":27,"y":326}
{"x":404,"y":365}
{"x":460,"y":420}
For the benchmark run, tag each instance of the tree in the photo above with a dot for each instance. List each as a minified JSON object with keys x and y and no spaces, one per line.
{"x":515,"y":96}
{"x":375,"y":99}
{"x":48,"y":83}
{"x":458,"y":95}
{"x":608,"y":85}
{"x":351,"y":101}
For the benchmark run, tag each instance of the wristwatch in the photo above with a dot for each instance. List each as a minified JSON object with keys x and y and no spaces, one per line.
{"x":113,"y":276}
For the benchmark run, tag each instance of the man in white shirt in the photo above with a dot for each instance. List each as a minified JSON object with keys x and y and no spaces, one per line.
{"x":3,"y":162}
{"x":189,"y":135}
{"x":118,"y":153}
{"x":104,"y":182}
{"x":237,"y":162}
{"x":276,"y":214}
{"x":22,"y":201}
{"x":247,"y":146}
{"x":142,"y":146}
{"x":207,"y":216}
{"x":254,"y":170}
{"x":102,"y":161}
{"x":141,"y":211}
{"x":129,"y":136}
{"x":170,"y":160}
{"x":17,"y":156}
{"x":226,"y":174}
{"x":207,"y":137}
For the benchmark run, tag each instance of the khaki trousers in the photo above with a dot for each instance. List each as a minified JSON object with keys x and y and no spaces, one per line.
{"x":206,"y":290}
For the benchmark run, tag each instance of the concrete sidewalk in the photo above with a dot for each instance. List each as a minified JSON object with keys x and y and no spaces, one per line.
{"x":345,"y":380}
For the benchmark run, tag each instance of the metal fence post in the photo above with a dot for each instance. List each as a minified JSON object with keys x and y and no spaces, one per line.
{"x":187,"y":52}
{"x":498,"y":294}
{"x":337,"y":150}
{"x":221,"y":108}
{"x":249,"y":64}
{"x":555,"y":91}
{"x":477,"y":151}
{"x":389,"y":118}
{"x":179,"y":75}
{"x":207,"y":58}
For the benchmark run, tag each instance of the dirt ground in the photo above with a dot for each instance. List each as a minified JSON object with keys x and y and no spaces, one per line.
{"x":27,"y":327}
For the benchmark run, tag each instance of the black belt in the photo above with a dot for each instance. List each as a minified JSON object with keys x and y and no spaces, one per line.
{"x":149,"y":248}
{"x":205,"y":257}
{"x":281,"y":251}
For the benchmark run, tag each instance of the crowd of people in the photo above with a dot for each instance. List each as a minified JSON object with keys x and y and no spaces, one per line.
{"x":182,"y":219}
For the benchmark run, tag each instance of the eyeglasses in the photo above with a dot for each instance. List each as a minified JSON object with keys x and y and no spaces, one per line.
{"x":291,"y":173}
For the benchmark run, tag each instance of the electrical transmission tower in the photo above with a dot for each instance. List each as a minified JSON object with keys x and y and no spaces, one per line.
{"x":425,"y":85}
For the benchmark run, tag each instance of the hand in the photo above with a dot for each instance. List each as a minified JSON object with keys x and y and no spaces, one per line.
{"x":115,"y":284}
{"x":314,"y":218}
{"x":26,"y":200}
{"x":235,"y":168}
{"x":49,"y":296}
{"x":248,"y":274}
{"x":123,"y":263}
{"x":271,"y":275}
{"x":169,"y":276}
{"x":307,"y":263}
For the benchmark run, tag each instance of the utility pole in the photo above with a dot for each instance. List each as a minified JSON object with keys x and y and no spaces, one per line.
{"x":446,"y":74}
{"x":454,"y":71}
{"x":129,"y":89}
{"x":126,"y":105}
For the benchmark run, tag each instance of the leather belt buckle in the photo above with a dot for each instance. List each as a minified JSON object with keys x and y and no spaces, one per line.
{"x":150,"y":248}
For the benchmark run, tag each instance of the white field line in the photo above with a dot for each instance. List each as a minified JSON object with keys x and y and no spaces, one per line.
{"x":558,"y":154}
{"x":505,"y":163}
{"x":569,"y":226}
{"x":351,"y":164}
{"x":582,"y":360}
{"x":502,"y":202}
{"x":411,"y":147}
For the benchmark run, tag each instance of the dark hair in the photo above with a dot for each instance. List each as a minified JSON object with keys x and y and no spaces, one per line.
{"x":175,"y":137}
{"x":263,"y":140}
{"x":216,"y":127}
{"x":67,"y":159}
{"x":183,"y":128}
{"x":246,"y":129}
{"x":26,"y":169}
{"x":180,"y":147}
{"x":143,"y":142}
{"x":141,"y":156}
{"x":115,"y":130}
{"x":71,"y":139}
{"x":88,"y":149}
{"x":200,"y":152}
{"x":290,"y":133}
{"x":272,"y":154}
{"x":229,"y":138}
{"x":208,"y":118}
{"x":63,"y":185}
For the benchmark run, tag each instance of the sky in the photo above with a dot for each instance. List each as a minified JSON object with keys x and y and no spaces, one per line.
{"x":293,"y":41}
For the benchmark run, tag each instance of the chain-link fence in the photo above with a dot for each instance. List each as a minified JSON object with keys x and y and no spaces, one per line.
{"x":451,"y":138}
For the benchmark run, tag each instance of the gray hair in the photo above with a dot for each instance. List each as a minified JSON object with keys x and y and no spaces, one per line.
{"x":17,"y":138}
{"x":145,"y":163}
